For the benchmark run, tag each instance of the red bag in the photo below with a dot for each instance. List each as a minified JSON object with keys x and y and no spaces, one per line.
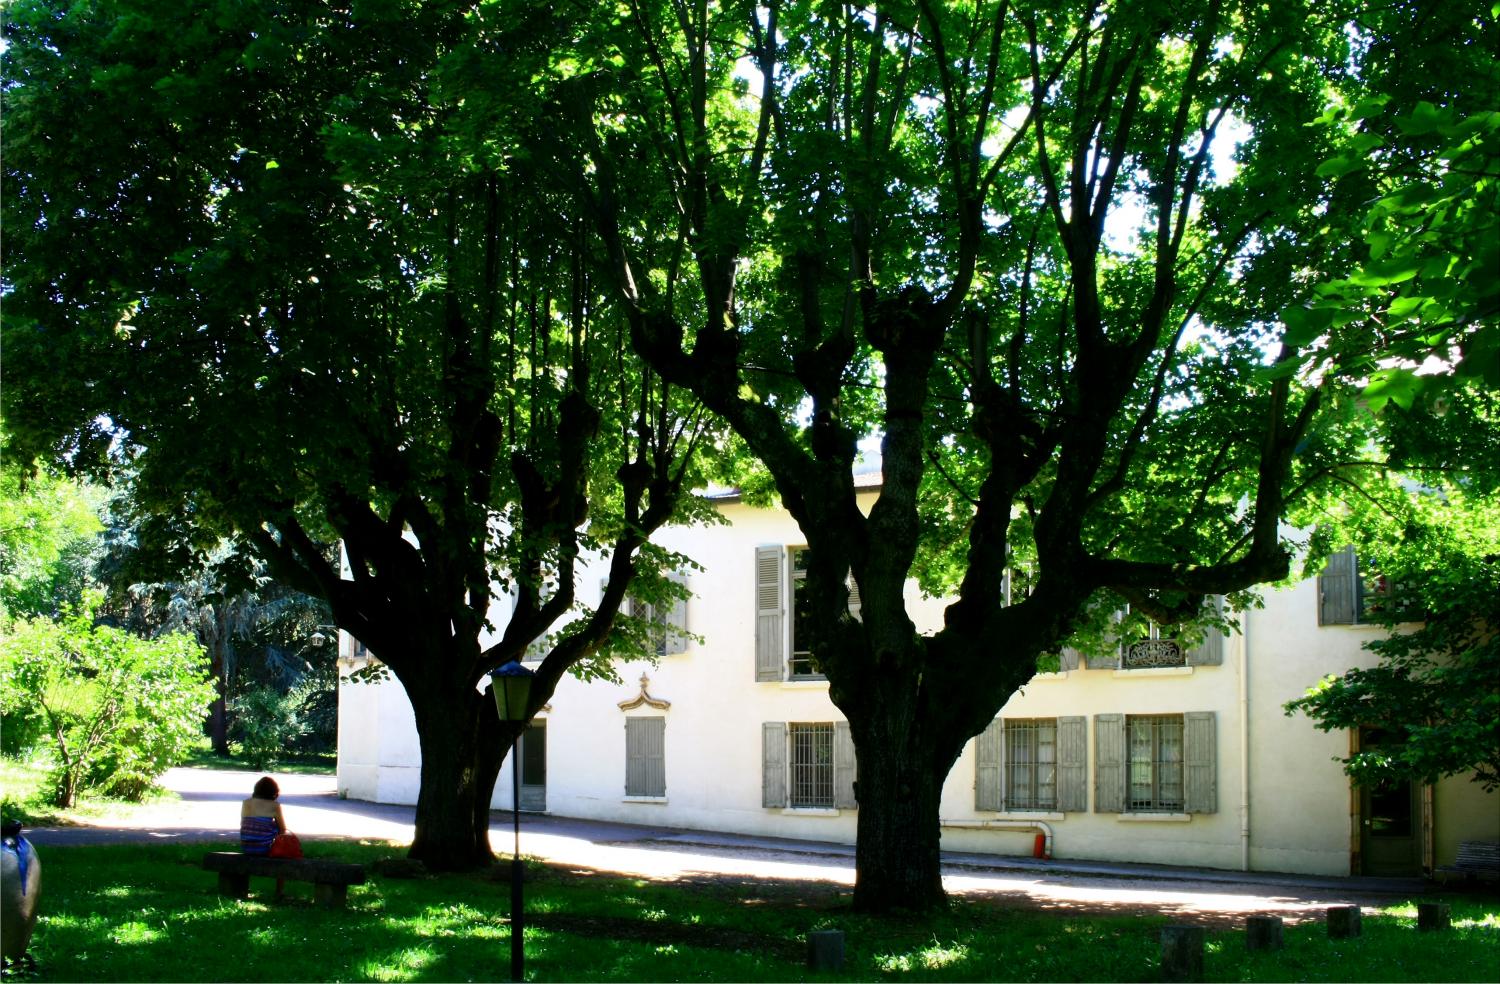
{"x":286,"y":846}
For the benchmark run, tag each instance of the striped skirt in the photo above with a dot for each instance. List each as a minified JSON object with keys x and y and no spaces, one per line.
{"x":257,"y":833}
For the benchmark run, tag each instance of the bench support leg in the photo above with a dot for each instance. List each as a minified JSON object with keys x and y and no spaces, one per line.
{"x":330,"y":896}
{"x":234,"y":885}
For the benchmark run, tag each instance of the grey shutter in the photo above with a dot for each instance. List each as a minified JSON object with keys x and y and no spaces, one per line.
{"x":773,"y":764}
{"x":645,"y":756}
{"x":856,"y":605}
{"x":1209,"y":652}
{"x":1072,"y":764}
{"x":1109,"y":763}
{"x":1005,"y":588}
{"x":1338,"y":590}
{"x":1067,"y":659}
{"x":843,"y":766}
{"x":1110,"y":658}
{"x":770,"y":636}
{"x":989,"y":767}
{"x":676,"y":621}
{"x":1202,"y":794}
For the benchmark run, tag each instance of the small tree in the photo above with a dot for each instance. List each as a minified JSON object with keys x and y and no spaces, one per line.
{"x":1437,"y":683}
{"x":118,"y":710}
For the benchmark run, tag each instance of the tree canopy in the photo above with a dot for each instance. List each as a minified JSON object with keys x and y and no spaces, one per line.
{"x":260,"y":254}
{"x":1059,"y":257}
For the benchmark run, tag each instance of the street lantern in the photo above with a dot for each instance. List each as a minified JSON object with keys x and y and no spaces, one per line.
{"x":512,"y":686}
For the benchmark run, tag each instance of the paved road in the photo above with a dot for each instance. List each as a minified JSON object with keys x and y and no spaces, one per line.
{"x":208,"y":811}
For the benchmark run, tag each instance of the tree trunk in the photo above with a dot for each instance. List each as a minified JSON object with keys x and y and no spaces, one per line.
{"x":901,"y":765}
{"x":452,"y":825}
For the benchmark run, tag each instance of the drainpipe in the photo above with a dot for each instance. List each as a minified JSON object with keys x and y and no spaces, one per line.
{"x":1037,"y":825}
{"x":1244,"y":682}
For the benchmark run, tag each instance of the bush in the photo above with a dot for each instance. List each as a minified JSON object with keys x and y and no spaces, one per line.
{"x":267,"y":724}
{"x":117,"y":711}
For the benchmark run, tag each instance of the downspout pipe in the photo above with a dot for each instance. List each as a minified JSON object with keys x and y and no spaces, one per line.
{"x":1244,"y":682}
{"x":1039,"y":826}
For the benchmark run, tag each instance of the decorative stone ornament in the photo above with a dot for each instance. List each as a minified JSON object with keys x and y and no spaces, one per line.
{"x":20,"y":887}
{"x":644,"y":698}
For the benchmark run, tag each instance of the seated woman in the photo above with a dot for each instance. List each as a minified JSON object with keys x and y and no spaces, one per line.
{"x":260,"y":818}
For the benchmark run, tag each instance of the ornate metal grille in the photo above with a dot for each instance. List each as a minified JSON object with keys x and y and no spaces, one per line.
{"x":1150,"y":653}
{"x":1155,"y":777}
{"x":1031,"y":764}
{"x":811,"y":765}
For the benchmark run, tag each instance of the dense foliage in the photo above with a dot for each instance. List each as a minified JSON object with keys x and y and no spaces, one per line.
{"x":306,"y":301}
{"x":1435,"y":689}
{"x":115,"y":711}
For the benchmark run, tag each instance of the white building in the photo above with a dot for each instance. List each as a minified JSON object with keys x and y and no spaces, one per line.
{"x":1173,"y":757}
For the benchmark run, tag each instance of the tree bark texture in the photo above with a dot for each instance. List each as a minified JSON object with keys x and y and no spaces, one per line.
{"x":452,"y":822}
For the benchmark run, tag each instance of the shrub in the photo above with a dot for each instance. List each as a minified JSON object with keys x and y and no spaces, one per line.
{"x":117,"y":710}
{"x":267,"y":724}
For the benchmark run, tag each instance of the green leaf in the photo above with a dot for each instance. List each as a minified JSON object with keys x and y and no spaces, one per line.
{"x":1337,"y":167}
{"x":1390,"y":270}
{"x":1398,"y":385}
{"x":1305,"y":325}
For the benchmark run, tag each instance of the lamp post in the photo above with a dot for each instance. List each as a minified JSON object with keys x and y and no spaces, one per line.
{"x":512,"y":687}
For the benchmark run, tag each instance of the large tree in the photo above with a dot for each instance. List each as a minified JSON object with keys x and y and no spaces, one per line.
{"x":261,"y":253}
{"x":1041,"y":249}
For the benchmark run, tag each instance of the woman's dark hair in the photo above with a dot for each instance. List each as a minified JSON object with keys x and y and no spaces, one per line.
{"x":266,"y":789}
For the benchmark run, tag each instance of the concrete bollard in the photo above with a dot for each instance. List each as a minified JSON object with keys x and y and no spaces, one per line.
{"x":1182,"y":953}
{"x":1343,"y":922}
{"x":1434,"y":916}
{"x":825,"y":949}
{"x":1263,"y":933}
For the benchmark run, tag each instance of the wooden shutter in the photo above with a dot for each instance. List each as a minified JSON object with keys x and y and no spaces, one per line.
{"x":1005,"y":588}
{"x":856,"y":606}
{"x":989,"y":767}
{"x":645,"y":756}
{"x":1338,"y":589}
{"x":1209,"y":652}
{"x":1109,"y":658}
{"x":1067,"y":659}
{"x":1201,"y":781}
{"x":1109,"y":763}
{"x":676,"y":620}
{"x":1072,"y":764}
{"x":773,"y":764}
{"x":843,"y":766}
{"x":770,"y":635}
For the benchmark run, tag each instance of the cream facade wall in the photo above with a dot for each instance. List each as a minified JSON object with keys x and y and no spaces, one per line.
{"x":1282,"y":800}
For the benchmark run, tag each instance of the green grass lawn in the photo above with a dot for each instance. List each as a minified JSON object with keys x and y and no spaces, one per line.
{"x":135,"y":913}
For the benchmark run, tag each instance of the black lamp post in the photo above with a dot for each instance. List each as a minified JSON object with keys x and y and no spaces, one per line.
{"x":512,"y":686}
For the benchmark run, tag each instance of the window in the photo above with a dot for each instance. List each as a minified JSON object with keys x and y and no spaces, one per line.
{"x":808,"y":766}
{"x":811,"y":772}
{"x":801,"y":661}
{"x":783,"y":647}
{"x":1347,"y":595}
{"x":666,"y":621}
{"x":645,"y":756}
{"x":1031,"y":764}
{"x":1154,"y":776}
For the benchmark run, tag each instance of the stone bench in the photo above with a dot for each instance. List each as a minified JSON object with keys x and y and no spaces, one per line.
{"x":330,"y":879}
{"x":1476,"y":859}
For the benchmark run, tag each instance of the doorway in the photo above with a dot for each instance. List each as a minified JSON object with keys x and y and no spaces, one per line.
{"x":1390,"y":830}
{"x":534,"y":768}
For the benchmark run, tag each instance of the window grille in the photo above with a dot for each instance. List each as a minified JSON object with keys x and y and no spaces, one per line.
{"x":1155,"y":766}
{"x":811,"y":765}
{"x":1150,"y":653}
{"x":1031,"y":764}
